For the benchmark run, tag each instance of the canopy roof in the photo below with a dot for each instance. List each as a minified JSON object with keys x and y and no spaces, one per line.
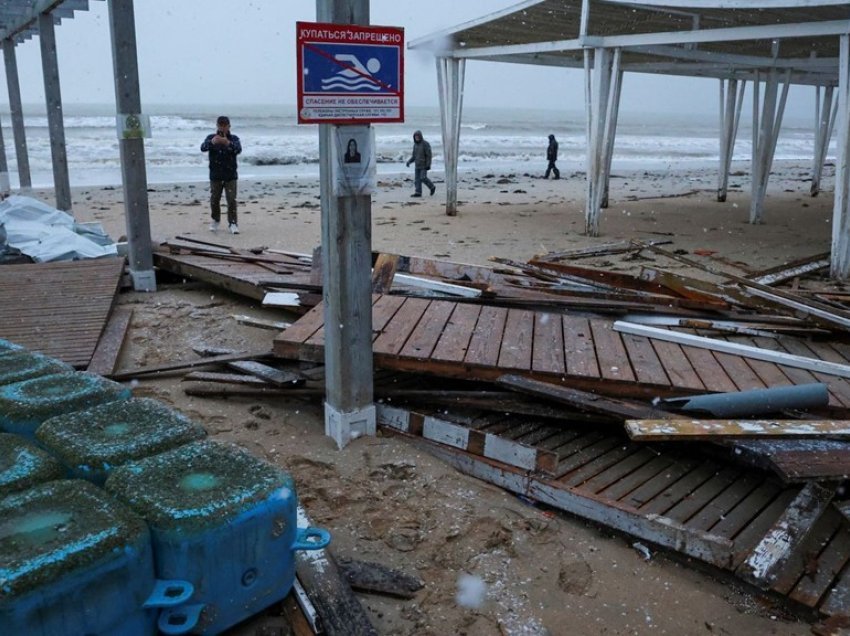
{"x":711,"y":38}
{"x":19,"y":18}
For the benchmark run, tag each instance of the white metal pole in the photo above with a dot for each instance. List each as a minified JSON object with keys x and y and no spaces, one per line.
{"x":840,"y":265}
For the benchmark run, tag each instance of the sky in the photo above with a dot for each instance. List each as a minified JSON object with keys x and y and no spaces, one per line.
{"x":231,"y":52}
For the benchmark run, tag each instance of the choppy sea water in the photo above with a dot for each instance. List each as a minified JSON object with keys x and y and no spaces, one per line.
{"x":274,"y":146}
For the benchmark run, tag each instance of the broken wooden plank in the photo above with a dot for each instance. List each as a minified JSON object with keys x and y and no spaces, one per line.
{"x":105,"y":357}
{"x":787,"y":271}
{"x":818,"y":312}
{"x":611,"y":280}
{"x":224,"y":378}
{"x":473,"y":441}
{"x":186,"y":364}
{"x":260,"y":323}
{"x":365,"y":576}
{"x":383,"y":272}
{"x":437,"y":286}
{"x":582,"y":400}
{"x":340,"y":612}
{"x":811,"y":364}
{"x":688,"y":430}
{"x":765,"y":562}
{"x":265,"y":372}
{"x":798,"y":460}
{"x":281,"y":299}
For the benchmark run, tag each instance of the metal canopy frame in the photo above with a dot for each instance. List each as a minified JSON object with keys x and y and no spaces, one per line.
{"x":19,"y":18}
{"x":801,"y":42}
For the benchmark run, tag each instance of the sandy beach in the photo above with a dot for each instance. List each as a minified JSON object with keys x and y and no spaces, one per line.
{"x":513,"y":215}
{"x":384,"y":500}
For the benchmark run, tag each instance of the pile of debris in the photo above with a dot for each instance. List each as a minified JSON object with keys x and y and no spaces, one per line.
{"x":692,"y":407}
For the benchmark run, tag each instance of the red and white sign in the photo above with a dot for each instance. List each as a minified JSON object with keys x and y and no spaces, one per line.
{"x":349,"y":74}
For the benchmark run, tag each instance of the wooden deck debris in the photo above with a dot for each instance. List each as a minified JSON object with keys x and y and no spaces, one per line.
{"x":59,"y":309}
{"x":763,"y":566}
{"x":687,"y":429}
{"x":541,"y":329}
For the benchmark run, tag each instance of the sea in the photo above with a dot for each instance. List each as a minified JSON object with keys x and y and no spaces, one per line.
{"x":275,"y":146}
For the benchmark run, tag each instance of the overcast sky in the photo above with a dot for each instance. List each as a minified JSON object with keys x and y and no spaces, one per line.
{"x":243,"y":52}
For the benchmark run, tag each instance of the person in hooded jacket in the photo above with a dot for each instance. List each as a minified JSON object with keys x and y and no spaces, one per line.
{"x":421,"y":159}
{"x":223,"y":146}
{"x":552,"y":157}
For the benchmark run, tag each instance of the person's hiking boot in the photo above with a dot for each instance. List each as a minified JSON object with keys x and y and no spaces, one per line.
{"x":433,"y":190}
{"x":416,"y":194}
{"x":234,"y":229}
{"x":214,"y":226}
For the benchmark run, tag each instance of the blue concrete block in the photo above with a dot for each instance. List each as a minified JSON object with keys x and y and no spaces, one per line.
{"x":92,"y":442}
{"x":73,"y":561}
{"x":222,"y":520}
{"x":25,"y":405}
{"x":23,"y":465}
{"x":17,"y":366}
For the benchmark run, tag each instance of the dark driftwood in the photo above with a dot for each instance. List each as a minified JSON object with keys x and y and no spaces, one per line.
{"x":339,"y":610}
{"x":374,"y":577}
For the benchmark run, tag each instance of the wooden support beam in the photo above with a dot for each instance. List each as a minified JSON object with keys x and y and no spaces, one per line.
{"x":689,"y":430}
{"x":582,"y":400}
{"x":767,"y":559}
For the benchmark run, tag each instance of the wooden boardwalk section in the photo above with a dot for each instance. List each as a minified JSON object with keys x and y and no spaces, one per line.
{"x":481,"y":342}
{"x":59,"y":309}
{"x":709,"y":509}
{"x":249,"y":279}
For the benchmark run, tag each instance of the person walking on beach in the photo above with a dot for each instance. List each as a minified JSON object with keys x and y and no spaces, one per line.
{"x":223,"y":146}
{"x":552,"y":157}
{"x":421,"y":159}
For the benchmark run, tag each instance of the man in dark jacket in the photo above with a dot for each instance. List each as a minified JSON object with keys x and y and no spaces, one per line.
{"x":421,"y":160}
{"x":223,"y":146}
{"x":552,"y":157}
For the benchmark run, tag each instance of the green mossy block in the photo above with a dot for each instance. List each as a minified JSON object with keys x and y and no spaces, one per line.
{"x":23,"y":465}
{"x":196,"y":487}
{"x":20,"y":365}
{"x":51,"y":531}
{"x":25,"y":405}
{"x":94,"y":441}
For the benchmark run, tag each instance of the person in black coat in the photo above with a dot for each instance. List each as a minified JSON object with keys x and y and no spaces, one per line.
{"x":223,"y":146}
{"x":552,"y":157}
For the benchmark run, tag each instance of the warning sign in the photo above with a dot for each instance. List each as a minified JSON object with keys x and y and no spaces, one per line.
{"x":349,"y":74}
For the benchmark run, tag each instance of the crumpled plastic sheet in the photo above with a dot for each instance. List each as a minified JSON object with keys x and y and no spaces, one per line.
{"x":46,"y":234}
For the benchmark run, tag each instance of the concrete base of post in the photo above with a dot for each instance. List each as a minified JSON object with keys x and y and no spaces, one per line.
{"x":143,"y":281}
{"x":344,"y":427}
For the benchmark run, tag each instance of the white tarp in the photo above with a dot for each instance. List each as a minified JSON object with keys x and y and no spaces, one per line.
{"x":46,"y":234}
